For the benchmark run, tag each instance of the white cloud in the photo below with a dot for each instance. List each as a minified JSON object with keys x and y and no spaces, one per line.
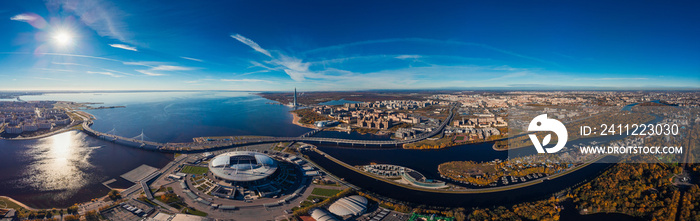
{"x":192,"y":59}
{"x":65,"y":63}
{"x":50,"y":79}
{"x":258,"y":64}
{"x":157,"y":66}
{"x":251,"y":44}
{"x":104,"y":73}
{"x":82,"y":65}
{"x":335,"y":79}
{"x":23,"y":17}
{"x":424,"y":41}
{"x":171,"y":68}
{"x":140,"y":63}
{"x":123,"y":46}
{"x":117,"y":71}
{"x":55,"y":70}
{"x":149,"y":73}
{"x":81,"y":56}
{"x":246,"y":80}
{"x":102,"y":16}
{"x":294,"y":67}
{"x":253,"y":72}
{"x":611,"y":79}
{"x":408,"y":57}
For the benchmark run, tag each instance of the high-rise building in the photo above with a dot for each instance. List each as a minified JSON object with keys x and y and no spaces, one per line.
{"x":295,"y":97}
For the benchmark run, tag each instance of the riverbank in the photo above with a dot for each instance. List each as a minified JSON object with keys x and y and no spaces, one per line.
{"x":17,"y":202}
{"x":296,"y":119}
{"x":77,"y":118}
{"x":50,"y":133}
{"x":464,"y":191}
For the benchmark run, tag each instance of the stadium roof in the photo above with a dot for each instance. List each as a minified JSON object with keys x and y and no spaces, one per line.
{"x":321,"y":215}
{"x":351,"y":205}
{"x":242,"y":166}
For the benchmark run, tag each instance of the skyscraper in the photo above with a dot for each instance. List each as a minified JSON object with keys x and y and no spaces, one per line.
{"x":295,"y":97}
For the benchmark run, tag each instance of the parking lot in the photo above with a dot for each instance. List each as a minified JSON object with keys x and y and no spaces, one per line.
{"x":120,"y":214}
{"x":129,"y":210}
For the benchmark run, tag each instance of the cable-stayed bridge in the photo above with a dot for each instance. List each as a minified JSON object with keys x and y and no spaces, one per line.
{"x":142,"y":141}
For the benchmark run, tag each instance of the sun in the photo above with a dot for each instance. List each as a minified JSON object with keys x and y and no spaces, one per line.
{"x":63,"y":38}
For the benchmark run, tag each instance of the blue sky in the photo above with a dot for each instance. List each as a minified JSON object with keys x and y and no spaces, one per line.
{"x":349,"y":45}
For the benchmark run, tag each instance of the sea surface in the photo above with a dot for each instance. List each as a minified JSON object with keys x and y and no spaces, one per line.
{"x":70,"y":167}
{"x":66,"y":168}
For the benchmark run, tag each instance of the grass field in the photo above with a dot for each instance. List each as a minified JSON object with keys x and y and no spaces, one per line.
{"x":6,"y":202}
{"x":195,"y":212}
{"x":325,"y":192}
{"x":416,"y":216}
{"x":312,"y":197}
{"x":194,"y":170}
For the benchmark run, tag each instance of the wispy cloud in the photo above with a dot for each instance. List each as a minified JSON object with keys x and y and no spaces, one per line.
{"x":149,"y":73}
{"x":251,"y":44}
{"x":23,"y":18}
{"x":252,"y":72}
{"x":113,"y":71}
{"x":123,"y":46}
{"x":83,"y":65}
{"x":157,"y":66}
{"x":31,"y":18}
{"x":102,"y":16}
{"x":294,"y":67}
{"x":200,"y":80}
{"x":408,"y":57}
{"x":55,"y":70}
{"x":81,"y":56}
{"x":67,"y":63}
{"x":426,"y":41}
{"x":49,"y":79}
{"x":246,"y":80}
{"x":297,"y":69}
{"x":171,"y":68}
{"x":611,"y":79}
{"x":258,"y":64}
{"x":192,"y":59}
{"x":104,"y":73}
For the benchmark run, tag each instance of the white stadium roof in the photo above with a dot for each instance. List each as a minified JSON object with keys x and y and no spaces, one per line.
{"x":321,"y":215}
{"x":242,"y":166}
{"x":352,"y":205}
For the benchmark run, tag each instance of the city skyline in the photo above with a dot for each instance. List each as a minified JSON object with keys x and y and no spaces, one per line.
{"x":100,"y":45}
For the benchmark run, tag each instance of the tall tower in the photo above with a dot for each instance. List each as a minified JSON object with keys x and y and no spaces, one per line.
{"x":295,"y":97}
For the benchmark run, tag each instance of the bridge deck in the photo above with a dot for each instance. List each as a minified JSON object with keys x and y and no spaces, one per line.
{"x":204,"y":146}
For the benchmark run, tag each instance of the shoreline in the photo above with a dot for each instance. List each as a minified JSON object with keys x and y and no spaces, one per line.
{"x":68,"y":127}
{"x":19,"y":203}
{"x":465,"y":191}
{"x":44,"y":135}
{"x":295,"y":121}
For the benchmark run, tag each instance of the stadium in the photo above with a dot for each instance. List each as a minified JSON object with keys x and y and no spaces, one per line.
{"x":249,"y":174}
{"x":242,"y":167}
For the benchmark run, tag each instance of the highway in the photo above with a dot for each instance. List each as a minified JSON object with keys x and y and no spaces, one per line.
{"x":192,"y":147}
